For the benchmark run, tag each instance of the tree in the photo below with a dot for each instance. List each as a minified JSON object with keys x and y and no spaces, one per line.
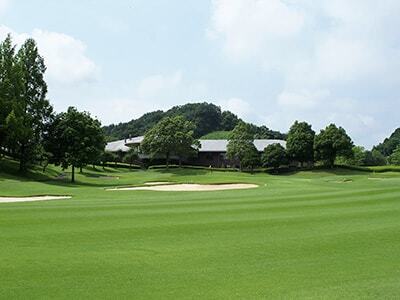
{"x":206,"y":117}
{"x":274,"y":156}
{"x":241,"y":141}
{"x":359,"y":157}
{"x":107,"y":157}
{"x":30,"y":111}
{"x":332,"y":142}
{"x":300,"y":142}
{"x":394,"y":158}
{"x":10,"y":86}
{"x":75,"y":139}
{"x":229,"y":121}
{"x":390,"y":144}
{"x":171,"y":136}
{"x":251,"y":158}
{"x":131,"y":156}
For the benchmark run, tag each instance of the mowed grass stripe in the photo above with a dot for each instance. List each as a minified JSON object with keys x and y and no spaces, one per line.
{"x":300,"y":236}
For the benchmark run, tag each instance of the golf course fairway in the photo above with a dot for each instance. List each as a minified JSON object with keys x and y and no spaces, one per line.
{"x":317,"y":234}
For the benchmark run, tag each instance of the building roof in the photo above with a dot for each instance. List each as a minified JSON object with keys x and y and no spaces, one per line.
{"x":206,"y":145}
{"x":221,"y":145}
{"x":134,"y":141}
{"x":117,"y":146}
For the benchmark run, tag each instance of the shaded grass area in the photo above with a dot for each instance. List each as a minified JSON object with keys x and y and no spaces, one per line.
{"x":312,"y":234}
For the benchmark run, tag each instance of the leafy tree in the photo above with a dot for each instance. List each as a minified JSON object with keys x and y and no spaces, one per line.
{"x":30,"y":111}
{"x":240,"y":143}
{"x":131,"y":156}
{"x":120,"y":156}
{"x":394,"y":158}
{"x":263,"y":132}
{"x":10,"y":87}
{"x":133,"y":127}
{"x":107,"y":157}
{"x":374,"y":158}
{"x":206,"y":117}
{"x":359,"y":157}
{"x":390,"y":144}
{"x":75,"y":139}
{"x":274,"y":156}
{"x":229,"y":121}
{"x":332,"y":142}
{"x":300,"y":142}
{"x":171,"y":136}
{"x":251,"y":158}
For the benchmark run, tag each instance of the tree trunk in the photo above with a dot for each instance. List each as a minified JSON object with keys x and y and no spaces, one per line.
{"x":80,"y":170}
{"x":73,"y":174}
{"x":180,"y":162}
{"x":167,"y":161}
{"x":22,"y":165}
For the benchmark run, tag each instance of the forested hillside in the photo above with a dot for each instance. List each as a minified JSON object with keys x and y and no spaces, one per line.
{"x":206,"y":116}
{"x":389,"y":145}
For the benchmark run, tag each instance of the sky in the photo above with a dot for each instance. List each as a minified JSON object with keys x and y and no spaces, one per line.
{"x":269,"y":61}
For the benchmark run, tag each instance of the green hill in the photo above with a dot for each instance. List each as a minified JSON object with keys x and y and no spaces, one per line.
{"x":216,"y":135}
{"x":206,"y":116}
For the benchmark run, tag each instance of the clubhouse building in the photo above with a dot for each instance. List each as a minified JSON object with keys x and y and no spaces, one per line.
{"x":210,"y":153}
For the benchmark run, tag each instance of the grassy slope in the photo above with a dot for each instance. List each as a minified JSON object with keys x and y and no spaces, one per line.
{"x":216,"y":135}
{"x":309,"y":235}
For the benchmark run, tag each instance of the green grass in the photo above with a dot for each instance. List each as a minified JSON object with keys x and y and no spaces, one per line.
{"x":316,"y":234}
{"x":216,"y":135}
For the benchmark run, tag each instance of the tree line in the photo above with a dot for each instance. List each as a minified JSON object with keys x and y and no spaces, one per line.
{"x":206,"y":117}
{"x":304,"y":147}
{"x":30,"y":131}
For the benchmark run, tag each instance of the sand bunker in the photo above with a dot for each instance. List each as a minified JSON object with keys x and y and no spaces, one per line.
{"x":30,"y":199}
{"x":189,"y":187}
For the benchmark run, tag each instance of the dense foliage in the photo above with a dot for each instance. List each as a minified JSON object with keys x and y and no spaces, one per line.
{"x":75,"y":139}
{"x":241,"y":142}
{"x":390,"y":144}
{"x":171,"y":136}
{"x":25,"y":111}
{"x":394,"y":158}
{"x":362,"y":157}
{"x":300,"y":142}
{"x":206,"y":117}
{"x":332,"y":142}
{"x":274,"y":156}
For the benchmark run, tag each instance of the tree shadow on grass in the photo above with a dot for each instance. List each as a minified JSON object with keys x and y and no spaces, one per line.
{"x":330,"y":171}
{"x":182,"y":172}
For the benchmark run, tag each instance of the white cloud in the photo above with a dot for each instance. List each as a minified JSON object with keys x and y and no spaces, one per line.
{"x":301,"y":100}
{"x":238,"y":106}
{"x":248,"y":27}
{"x":3,"y":6}
{"x":329,"y":56}
{"x":153,"y":85}
{"x":65,"y":56}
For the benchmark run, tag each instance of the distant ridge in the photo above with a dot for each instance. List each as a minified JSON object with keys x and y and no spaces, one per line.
{"x":207,"y":117}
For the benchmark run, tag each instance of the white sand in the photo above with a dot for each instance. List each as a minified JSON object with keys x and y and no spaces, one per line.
{"x":189,"y":187}
{"x":157,"y":182}
{"x":30,"y":199}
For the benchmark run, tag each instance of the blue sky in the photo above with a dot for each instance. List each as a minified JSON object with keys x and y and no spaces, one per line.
{"x":269,"y":61}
